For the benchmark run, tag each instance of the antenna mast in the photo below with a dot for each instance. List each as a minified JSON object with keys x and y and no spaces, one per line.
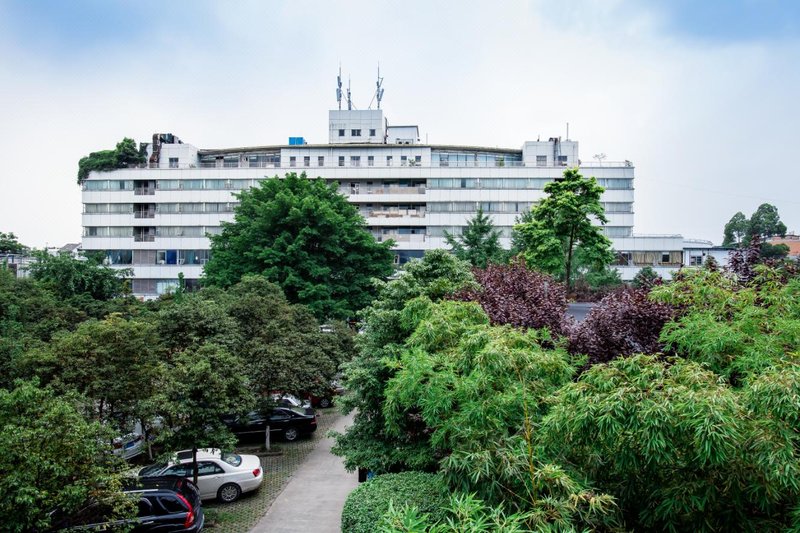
{"x":379,"y":90}
{"x":339,"y":87}
{"x":349,"y":101}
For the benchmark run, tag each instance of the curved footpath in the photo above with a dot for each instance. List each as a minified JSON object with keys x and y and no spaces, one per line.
{"x":312,"y":501}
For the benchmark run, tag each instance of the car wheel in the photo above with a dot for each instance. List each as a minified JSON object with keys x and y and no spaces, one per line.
{"x":290,"y":434}
{"x":325,"y":403}
{"x":229,"y":492}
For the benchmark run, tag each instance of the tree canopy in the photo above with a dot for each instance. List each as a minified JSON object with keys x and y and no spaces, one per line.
{"x":479,"y":242}
{"x":122,"y":156}
{"x":9,"y":244}
{"x":304,"y":236}
{"x":562,"y":221}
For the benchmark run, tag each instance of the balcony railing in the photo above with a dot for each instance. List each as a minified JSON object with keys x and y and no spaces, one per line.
{"x":144,"y":191}
{"x":389,"y":213}
{"x":333,"y":162}
{"x":144,"y":214}
{"x":144,"y":238}
{"x":382,"y":190}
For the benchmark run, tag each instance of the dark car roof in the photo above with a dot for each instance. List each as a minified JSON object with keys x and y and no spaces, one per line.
{"x":173,"y":483}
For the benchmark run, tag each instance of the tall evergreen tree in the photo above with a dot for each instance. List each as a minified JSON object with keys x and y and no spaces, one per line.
{"x":563,"y":221}
{"x":479,"y":242}
{"x":735,"y":230}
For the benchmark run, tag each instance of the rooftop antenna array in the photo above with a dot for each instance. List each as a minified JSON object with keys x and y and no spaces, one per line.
{"x":339,"y":88}
{"x":379,"y":89}
{"x":349,"y":101}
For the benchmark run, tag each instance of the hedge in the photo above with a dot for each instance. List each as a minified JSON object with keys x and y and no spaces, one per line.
{"x":366,"y":505}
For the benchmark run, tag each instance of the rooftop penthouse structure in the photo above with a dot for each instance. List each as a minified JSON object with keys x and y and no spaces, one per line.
{"x":156,"y":218}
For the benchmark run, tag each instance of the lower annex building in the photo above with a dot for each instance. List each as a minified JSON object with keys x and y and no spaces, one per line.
{"x":155,"y":218}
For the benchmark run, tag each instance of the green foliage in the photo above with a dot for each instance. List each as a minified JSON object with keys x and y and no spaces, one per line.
{"x":765,"y":222}
{"x":466,"y":514}
{"x":69,"y":277}
{"x":122,"y":156}
{"x":735,"y":230}
{"x":365,"y":506}
{"x":9,"y":244}
{"x":51,"y":458}
{"x":113,"y":362}
{"x":646,"y":278}
{"x":201,"y":385}
{"x":386,"y":326}
{"x":677,"y":447}
{"x":563,"y":221}
{"x":477,"y":394}
{"x":304,"y":236}
{"x":736,"y":331}
{"x":479,"y":243}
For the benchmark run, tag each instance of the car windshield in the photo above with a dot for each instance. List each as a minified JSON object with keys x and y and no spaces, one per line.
{"x":232,"y":459}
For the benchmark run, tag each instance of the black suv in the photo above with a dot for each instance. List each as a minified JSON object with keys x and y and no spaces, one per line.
{"x":165,"y":504}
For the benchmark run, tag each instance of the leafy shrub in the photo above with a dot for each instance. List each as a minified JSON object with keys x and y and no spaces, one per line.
{"x":646,"y":278}
{"x":364,"y":509}
{"x":676,"y":446}
{"x":517,"y":296}
{"x":624,"y":323}
{"x":122,"y":156}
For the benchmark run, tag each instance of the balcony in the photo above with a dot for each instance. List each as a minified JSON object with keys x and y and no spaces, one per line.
{"x":389,"y":213}
{"x":144,"y":191}
{"x":382,"y":190}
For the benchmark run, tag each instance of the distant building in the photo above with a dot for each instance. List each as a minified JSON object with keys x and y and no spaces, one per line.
{"x":792,"y":241}
{"x":156,"y":218}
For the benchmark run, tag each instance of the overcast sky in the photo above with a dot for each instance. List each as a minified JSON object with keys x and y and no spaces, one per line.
{"x":701,"y":95}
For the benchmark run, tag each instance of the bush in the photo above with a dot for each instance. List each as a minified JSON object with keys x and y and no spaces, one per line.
{"x":623,"y":323}
{"x":364,"y":509}
{"x":517,"y":296}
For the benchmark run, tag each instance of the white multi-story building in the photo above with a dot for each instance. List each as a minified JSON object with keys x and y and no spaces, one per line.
{"x":156,"y":218}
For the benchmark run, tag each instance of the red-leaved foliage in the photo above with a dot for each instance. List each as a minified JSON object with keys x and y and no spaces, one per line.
{"x":517,"y":296}
{"x":623,"y":323}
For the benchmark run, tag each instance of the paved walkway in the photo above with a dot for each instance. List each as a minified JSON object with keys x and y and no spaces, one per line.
{"x":313,"y":499}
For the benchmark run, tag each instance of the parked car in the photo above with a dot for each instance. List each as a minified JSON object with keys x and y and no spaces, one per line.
{"x":288,"y":422}
{"x":292,"y":402}
{"x":224,"y":476}
{"x":164,"y":504}
{"x":326,"y":400}
{"x":129,"y":446}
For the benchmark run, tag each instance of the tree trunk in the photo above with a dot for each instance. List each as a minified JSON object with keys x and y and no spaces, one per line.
{"x":194,"y":464}
{"x":266,"y":441}
{"x":568,"y":274}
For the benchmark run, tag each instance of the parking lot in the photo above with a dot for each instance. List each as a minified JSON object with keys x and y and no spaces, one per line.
{"x":243,"y":514}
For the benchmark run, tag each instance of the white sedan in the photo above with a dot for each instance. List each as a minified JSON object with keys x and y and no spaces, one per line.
{"x":224,"y":476}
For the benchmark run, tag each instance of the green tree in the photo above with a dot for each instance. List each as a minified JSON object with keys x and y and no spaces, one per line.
{"x":304,"y":236}
{"x":68,"y":276}
{"x":114,"y":362}
{"x":479,"y":243}
{"x":9,"y":244}
{"x":676,"y":445}
{"x":200,"y":386}
{"x":122,"y":156}
{"x":735,"y":230}
{"x":562,"y":221}
{"x":387,"y":324}
{"x":52,"y":458}
{"x":646,"y":278}
{"x":765,"y":222}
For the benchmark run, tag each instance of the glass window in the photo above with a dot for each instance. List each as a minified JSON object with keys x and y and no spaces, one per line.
{"x":192,"y":184}
{"x":215,"y":185}
{"x":232,"y":459}
{"x":95,"y":185}
{"x":164,"y":287}
{"x":541,"y":160}
{"x":355,"y":133}
{"x":292,"y":161}
{"x":320,"y":160}
{"x":341,"y":160}
{"x":388,"y":160}
{"x":208,"y":468}
{"x":306,"y":161}
{"x":173,"y":162}
{"x":372,"y":133}
{"x":355,"y":160}
{"x":182,"y":470}
{"x":341,"y":133}
{"x":371,"y":160}
{"x":168,"y":185}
